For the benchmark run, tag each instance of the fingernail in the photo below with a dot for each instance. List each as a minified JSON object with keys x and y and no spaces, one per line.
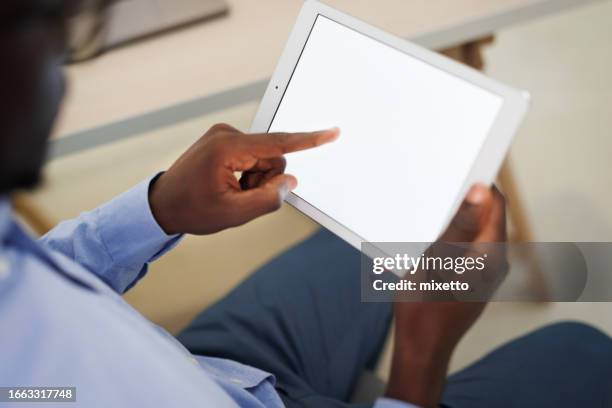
{"x":291,"y":184}
{"x":476,"y":195}
{"x":335,"y":130}
{"x":287,"y":187}
{"x":283,"y":193}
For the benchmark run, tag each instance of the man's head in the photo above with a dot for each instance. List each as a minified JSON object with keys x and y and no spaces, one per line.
{"x":32,"y":48}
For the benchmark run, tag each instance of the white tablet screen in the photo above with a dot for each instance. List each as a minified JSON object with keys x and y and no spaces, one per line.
{"x":410,"y":133}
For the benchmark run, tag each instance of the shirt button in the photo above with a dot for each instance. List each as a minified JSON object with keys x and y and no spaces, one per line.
{"x":4,"y":268}
{"x":235,"y":380}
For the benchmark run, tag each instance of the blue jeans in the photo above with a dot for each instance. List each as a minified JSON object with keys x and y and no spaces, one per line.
{"x":300,"y":317}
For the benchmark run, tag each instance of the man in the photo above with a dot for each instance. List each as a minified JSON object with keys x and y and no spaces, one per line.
{"x":293,"y":334}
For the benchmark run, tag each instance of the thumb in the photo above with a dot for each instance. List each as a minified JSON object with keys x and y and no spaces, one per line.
{"x":494,"y":228}
{"x":268,"y":197}
{"x":471,"y":216}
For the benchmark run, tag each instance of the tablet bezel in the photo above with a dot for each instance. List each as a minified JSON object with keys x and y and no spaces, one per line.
{"x":491,"y":155}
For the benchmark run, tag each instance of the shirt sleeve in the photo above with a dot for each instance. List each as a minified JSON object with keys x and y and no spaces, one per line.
{"x":116,"y":241}
{"x":392,"y":403}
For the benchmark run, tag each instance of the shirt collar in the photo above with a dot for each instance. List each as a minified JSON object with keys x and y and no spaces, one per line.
{"x":5,"y":217}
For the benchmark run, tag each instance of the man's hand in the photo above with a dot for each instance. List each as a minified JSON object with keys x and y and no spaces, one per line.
{"x":200,"y":193}
{"x":426,"y":333}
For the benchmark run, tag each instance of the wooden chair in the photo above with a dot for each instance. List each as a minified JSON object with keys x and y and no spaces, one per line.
{"x":471,"y":54}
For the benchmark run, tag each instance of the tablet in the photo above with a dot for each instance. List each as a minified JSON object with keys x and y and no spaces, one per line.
{"x":417,"y":129}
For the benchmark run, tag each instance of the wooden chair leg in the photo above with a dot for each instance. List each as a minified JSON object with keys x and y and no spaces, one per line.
{"x":522,"y":230}
{"x":471,"y":54}
{"x":516,"y":209}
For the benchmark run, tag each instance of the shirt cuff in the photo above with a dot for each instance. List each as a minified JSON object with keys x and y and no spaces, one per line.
{"x":130,"y":233}
{"x":392,"y":403}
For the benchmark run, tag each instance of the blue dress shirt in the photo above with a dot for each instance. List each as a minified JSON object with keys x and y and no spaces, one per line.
{"x":63,"y":322}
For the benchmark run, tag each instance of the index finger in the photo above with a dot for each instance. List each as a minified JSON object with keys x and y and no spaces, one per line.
{"x":268,"y":145}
